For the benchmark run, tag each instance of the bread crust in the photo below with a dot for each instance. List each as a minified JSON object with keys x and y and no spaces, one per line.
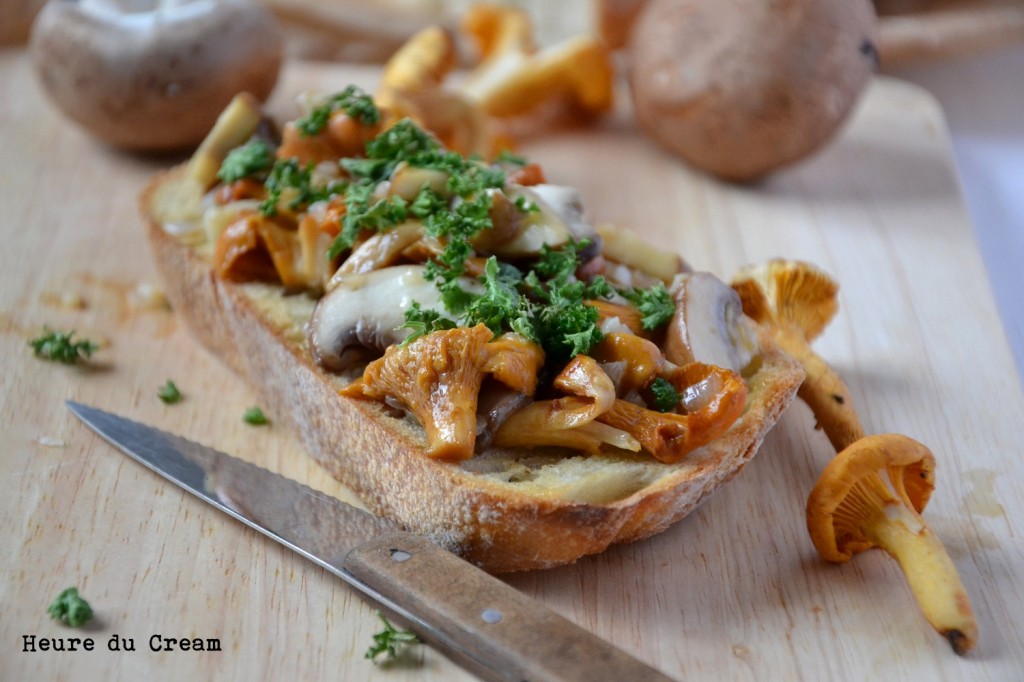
{"x":500,"y":525}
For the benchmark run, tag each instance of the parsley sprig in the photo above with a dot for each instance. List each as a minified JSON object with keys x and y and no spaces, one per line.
{"x":61,"y":347}
{"x":666,"y":397}
{"x":351,"y":100}
{"x":288,"y":178}
{"x":655,"y":305}
{"x":389,"y":639}
{"x":251,"y":159}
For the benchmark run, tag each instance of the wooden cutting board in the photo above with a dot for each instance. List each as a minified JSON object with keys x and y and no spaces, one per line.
{"x":735,"y":591}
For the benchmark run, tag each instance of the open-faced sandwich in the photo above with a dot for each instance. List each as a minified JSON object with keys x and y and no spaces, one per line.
{"x":451,"y":337}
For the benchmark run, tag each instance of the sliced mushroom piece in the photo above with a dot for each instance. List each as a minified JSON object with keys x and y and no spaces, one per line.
{"x":558,"y":218}
{"x":627,"y":248}
{"x":407,"y":181}
{"x":872,"y":495}
{"x":367,"y":311}
{"x":708,"y":325}
{"x":379,"y":251}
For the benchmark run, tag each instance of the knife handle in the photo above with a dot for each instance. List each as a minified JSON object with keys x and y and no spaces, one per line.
{"x":480,"y":622}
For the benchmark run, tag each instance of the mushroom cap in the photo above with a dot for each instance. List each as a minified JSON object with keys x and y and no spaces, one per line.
{"x":154,"y":79}
{"x":740,"y":88}
{"x":894,"y":467}
{"x":790,"y":292}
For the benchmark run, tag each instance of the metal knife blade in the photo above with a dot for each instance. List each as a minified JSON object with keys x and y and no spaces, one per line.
{"x":481,"y":623}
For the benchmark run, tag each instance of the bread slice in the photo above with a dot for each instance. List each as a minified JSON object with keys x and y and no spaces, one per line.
{"x":503,"y":510}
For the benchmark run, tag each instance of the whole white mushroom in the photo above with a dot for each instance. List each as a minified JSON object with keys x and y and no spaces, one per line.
{"x":153,"y":75}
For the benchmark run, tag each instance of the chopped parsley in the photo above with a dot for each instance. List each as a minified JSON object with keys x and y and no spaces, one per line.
{"x":288,"y":178}
{"x":655,"y":305}
{"x":169,"y":393}
{"x":70,"y":608}
{"x":353,"y":101}
{"x":505,"y":156}
{"x":666,"y":397}
{"x":61,"y":347}
{"x":252,"y":158}
{"x":525,"y":205}
{"x":387,"y":640}
{"x":423,"y":322}
{"x":255,"y":416}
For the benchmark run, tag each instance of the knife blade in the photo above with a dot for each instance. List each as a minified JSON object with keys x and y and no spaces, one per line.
{"x":482,"y":624}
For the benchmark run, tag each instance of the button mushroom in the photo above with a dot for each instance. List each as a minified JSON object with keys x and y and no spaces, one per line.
{"x":437,"y":377}
{"x":708,"y":325}
{"x":871,"y":495}
{"x":367,"y":311}
{"x":153,"y":75}
{"x":796,"y":301}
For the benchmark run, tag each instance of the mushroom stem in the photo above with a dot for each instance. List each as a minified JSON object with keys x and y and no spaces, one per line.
{"x":930,"y":572}
{"x":824,"y":391}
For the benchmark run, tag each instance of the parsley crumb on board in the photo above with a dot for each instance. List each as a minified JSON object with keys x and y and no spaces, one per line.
{"x":61,"y":347}
{"x":169,"y":393}
{"x":70,"y":608}
{"x":254,"y":415}
{"x":388,"y":640}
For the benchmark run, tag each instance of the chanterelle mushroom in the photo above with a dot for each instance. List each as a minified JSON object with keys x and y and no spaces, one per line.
{"x":437,"y":377}
{"x":797,"y":300}
{"x":153,"y":74}
{"x":871,"y":495}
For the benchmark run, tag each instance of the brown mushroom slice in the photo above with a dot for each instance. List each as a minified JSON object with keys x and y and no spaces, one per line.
{"x":437,"y":377}
{"x":643,"y":360}
{"x":630,"y":249}
{"x":871,"y":495}
{"x":380,"y":250}
{"x":558,"y":422}
{"x":709,"y":325}
{"x":796,"y":300}
{"x":408,"y":181}
{"x":558,"y":218}
{"x":670,"y":436}
{"x":236,"y":124}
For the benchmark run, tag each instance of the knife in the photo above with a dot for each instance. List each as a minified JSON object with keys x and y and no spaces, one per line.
{"x":482,"y":624}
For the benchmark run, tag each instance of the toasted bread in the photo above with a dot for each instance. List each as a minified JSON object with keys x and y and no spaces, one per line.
{"x":505,"y":510}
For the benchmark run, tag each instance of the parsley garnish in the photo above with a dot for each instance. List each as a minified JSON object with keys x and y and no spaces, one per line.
{"x":70,"y":608}
{"x":255,"y":416}
{"x":287,"y":174}
{"x":250,"y":159}
{"x":666,"y":397}
{"x":525,"y":205}
{"x":387,"y":640}
{"x":655,"y":305}
{"x":169,"y":393}
{"x":423,"y":322}
{"x":353,"y":101}
{"x":59,"y":347}
{"x":505,"y":156}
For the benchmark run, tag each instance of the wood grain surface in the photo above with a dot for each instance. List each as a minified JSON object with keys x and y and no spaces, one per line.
{"x":735,"y":591}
